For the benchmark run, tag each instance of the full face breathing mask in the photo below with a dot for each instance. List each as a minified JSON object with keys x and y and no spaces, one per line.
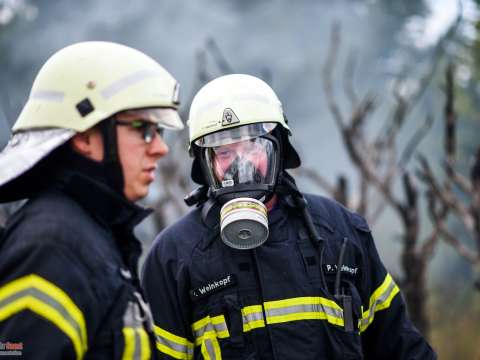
{"x":242,"y":166}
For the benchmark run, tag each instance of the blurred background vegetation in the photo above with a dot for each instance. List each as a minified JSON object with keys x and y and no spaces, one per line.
{"x":385,"y":79}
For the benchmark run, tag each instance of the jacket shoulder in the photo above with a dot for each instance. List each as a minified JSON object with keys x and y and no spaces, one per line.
{"x":183,"y":235}
{"x":335,"y":213}
{"x":55,"y":220}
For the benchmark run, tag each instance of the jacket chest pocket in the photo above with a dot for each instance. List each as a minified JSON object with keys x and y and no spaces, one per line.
{"x":337,"y":279}
{"x":348,"y":335}
{"x":122,"y":336}
{"x":134,"y":335}
{"x":220,"y":334}
{"x":311,"y":261}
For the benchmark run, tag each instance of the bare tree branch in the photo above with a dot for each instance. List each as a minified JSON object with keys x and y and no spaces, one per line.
{"x":314,"y":176}
{"x":414,"y":142}
{"x":218,"y":56}
{"x":445,"y":195}
{"x":327,"y":74}
{"x":348,"y":79}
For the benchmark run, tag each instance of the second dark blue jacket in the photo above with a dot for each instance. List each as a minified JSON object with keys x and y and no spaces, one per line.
{"x":277,"y":301}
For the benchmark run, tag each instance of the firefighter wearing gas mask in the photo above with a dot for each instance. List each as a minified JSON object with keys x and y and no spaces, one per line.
{"x":259,"y":270}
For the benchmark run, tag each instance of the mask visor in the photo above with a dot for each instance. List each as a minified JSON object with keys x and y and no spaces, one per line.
{"x":248,"y":162}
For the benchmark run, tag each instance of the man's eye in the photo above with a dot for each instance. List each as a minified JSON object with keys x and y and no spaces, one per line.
{"x":223,"y":153}
{"x":139,"y":124}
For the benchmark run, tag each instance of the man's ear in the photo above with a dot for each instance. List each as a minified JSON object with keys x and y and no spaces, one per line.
{"x":89,"y":144}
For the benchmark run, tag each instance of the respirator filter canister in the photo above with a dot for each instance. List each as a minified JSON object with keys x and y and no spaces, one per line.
{"x":244,"y":223}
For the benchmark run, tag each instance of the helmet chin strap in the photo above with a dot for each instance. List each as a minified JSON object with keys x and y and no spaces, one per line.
{"x":111,"y":160}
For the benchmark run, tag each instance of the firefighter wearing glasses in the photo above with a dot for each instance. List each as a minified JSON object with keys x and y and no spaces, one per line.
{"x":84,"y":149}
{"x":259,"y":270}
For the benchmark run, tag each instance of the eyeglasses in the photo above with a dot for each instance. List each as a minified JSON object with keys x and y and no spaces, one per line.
{"x":147,"y":128}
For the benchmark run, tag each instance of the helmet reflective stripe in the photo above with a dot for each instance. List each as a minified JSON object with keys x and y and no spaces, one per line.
{"x":48,"y":95}
{"x":127,"y":81}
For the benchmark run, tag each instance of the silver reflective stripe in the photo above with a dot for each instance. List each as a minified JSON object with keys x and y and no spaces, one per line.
{"x":252,"y":317}
{"x":132,"y":317}
{"x":256,"y":98}
{"x":46,"y":299}
{"x":210,"y":349}
{"x":127,"y":81}
{"x":148,"y":317}
{"x":211,"y":327}
{"x":380,"y":300}
{"x":184,"y":349}
{"x":133,"y":320}
{"x":296,"y":309}
{"x":48,"y":95}
{"x":137,"y":353}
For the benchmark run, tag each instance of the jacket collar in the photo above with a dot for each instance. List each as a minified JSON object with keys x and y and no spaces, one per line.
{"x":110,"y":208}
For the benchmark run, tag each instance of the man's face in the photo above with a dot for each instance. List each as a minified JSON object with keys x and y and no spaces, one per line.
{"x":247,"y":151}
{"x":137,"y":157}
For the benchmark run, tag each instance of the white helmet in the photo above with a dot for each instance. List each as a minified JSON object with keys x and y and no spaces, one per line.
{"x":78,"y":87}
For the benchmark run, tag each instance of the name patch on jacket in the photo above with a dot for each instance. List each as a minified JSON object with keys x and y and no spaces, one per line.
{"x":331,"y":269}
{"x":213,"y":286}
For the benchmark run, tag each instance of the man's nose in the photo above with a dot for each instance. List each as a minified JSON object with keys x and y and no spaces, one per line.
{"x":157,"y":147}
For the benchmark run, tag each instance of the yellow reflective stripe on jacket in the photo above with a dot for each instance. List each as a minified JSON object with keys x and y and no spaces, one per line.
{"x":381,"y":299}
{"x":173,"y":345}
{"x":42,"y":297}
{"x":213,"y":327}
{"x":252,"y":317}
{"x":303,"y":308}
{"x":210,"y":348}
{"x":145,"y":344}
{"x":207,"y":331}
{"x":129,"y":339}
{"x":137,"y":345}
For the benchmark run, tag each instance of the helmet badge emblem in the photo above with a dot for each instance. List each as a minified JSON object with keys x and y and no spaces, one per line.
{"x":229,"y":117}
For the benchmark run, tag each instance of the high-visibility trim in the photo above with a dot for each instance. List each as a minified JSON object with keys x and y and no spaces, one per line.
{"x":144,"y":344}
{"x":173,"y":345}
{"x":137,"y":345}
{"x":34,"y":293}
{"x":207,"y":332}
{"x":210,"y":347}
{"x":127,"y":81}
{"x":215,"y":326}
{"x":252,"y":317}
{"x":381,"y":299}
{"x":209,"y":329}
{"x":129,"y":339}
{"x":48,"y":95}
{"x":303,"y":308}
